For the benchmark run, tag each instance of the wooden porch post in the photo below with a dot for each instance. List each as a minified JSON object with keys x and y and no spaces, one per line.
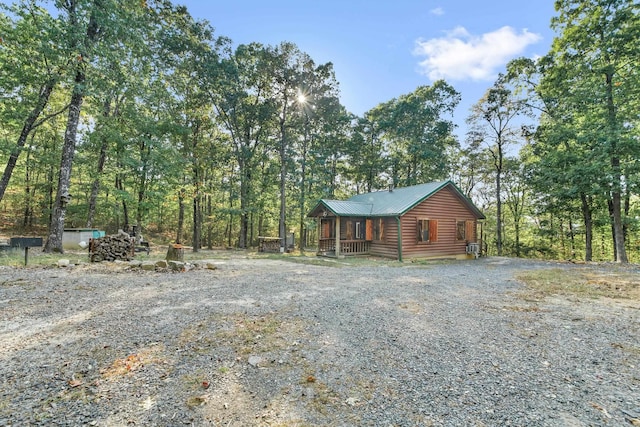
{"x":319,"y":231}
{"x":337,"y":236}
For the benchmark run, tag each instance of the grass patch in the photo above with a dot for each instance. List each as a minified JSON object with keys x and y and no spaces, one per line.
{"x":309,"y":259}
{"x":581,"y":283}
{"x":15,"y":257}
{"x":247,"y":334}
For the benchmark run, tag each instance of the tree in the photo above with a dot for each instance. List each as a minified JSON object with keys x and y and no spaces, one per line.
{"x":239,"y":91}
{"x":583,"y":90}
{"x":415,"y":133}
{"x":366,"y":153}
{"x":516,"y":195}
{"x":422,"y":136}
{"x":83,"y":33}
{"x":596,"y":50}
{"x":288,"y":72}
{"x":320,"y":114}
{"x":31,"y":68}
{"x":492,"y":122}
{"x":192,"y":54}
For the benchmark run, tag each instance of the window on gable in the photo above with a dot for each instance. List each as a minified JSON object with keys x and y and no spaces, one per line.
{"x":428,"y":230}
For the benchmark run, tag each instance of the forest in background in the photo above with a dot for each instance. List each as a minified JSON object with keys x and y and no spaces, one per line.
{"x":116,"y":113}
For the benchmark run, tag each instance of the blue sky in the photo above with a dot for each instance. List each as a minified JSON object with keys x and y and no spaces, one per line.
{"x":383,"y":49}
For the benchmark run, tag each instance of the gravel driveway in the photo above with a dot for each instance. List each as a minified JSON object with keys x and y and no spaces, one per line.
{"x":271,"y":342}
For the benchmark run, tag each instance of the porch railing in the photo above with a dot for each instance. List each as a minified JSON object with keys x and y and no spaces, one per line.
{"x":347,"y":247}
{"x":327,"y":245}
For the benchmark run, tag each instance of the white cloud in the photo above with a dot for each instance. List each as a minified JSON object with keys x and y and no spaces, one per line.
{"x":462,"y":56}
{"x":438,"y":11}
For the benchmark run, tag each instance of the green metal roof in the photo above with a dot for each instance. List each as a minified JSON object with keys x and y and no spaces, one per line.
{"x":390,"y":203}
{"x":348,"y":208}
{"x":399,"y":200}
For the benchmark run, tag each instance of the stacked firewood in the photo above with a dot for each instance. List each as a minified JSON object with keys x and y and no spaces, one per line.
{"x":113,"y":247}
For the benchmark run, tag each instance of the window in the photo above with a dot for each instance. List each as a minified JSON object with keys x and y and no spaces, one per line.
{"x":428,"y":230}
{"x":465,"y":230}
{"x":378,"y":229}
{"x":358,"y":230}
{"x":461,"y":230}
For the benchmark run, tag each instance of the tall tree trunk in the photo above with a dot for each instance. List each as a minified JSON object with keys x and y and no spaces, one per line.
{"x":125,"y":208}
{"x":616,"y":197}
{"x":95,"y":187}
{"x":28,"y":206}
{"x":562,"y":239}
{"x":179,"y":231}
{"x":303,"y":177}
{"x":50,"y":177}
{"x":244,"y":204}
{"x":572,"y":236}
{"x":252,"y":237}
{"x":196,"y":240}
{"x":145,"y":154}
{"x":63,"y":196}
{"x":498,"y":212}
{"x":613,"y":228}
{"x":197,"y":223}
{"x":618,"y":229}
{"x":229,"y":229}
{"x":588,"y":227}
{"x":29,"y":124}
{"x":282,"y":227}
{"x":517,"y":233}
{"x":627,"y":207}
{"x":209,"y":215}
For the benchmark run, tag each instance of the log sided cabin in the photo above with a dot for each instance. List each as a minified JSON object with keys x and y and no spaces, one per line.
{"x":433,"y":220}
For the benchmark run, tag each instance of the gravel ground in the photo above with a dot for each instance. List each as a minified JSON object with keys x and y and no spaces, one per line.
{"x":271,"y":342}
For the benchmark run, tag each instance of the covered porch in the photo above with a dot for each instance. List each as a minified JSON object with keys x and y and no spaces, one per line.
{"x":350,"y":240}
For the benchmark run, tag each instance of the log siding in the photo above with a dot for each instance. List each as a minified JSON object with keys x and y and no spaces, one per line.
{"x":388,"y":247}
{"x":446,"y":208}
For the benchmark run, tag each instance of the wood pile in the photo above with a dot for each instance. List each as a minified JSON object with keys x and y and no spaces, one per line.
{"x":113,"y":247}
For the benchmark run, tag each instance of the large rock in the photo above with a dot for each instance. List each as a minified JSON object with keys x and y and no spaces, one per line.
{"x":148,"y":266}
{"x":176,"y":265}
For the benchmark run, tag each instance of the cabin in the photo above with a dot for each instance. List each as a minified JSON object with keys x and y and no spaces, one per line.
{"x":433,"y":220}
